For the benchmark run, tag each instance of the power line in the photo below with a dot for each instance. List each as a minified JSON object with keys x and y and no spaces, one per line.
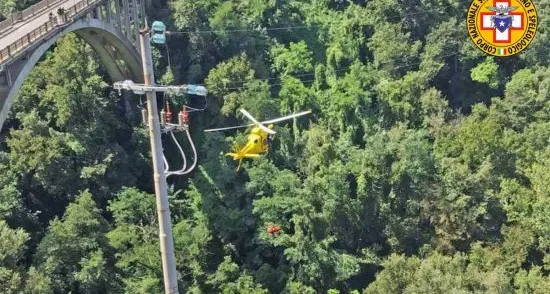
{"x":239,"y":30}
{"x":312,"y":74}
{"x":279,"y":84}
{"x":290,"y":27}
{"x":270,"y":85}
{"x":294,"y":76}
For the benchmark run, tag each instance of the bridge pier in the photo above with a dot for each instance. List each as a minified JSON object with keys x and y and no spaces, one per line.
{"x":5,"y":79}
{"x":98,"y":13}
{"x":128,"y":30}
{"x":108,"y":11}
{"x":12,"y":71}
{"x":118,"y":14}
{"x":135,"y":21}
{"x":4,"y":91}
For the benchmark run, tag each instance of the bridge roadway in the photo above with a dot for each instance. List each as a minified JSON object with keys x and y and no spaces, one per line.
{"x":20,"y":29}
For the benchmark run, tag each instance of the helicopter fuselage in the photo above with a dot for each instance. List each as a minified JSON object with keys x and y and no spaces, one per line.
{"x":257,"y":143}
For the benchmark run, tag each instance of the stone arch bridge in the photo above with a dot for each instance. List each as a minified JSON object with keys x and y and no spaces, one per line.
{"x":111,"y":27}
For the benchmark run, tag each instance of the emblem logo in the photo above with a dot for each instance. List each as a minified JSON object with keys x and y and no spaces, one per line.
{"x":502,"y":27}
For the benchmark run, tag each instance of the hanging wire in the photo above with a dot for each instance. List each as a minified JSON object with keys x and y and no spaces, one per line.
{"x":294,"y":27}
{"x":168,"y":56}
{"x":169,"y":68}
{"x":191,"y":109}
{"x":312,"y":74}
{"x":199,"y":109}
{"x":270,"y":85}
{"x":184,"y":166}
{"x":182,"y":171}
{"x":279,"y":84}
{"x":294,"y":76}
{"x":239,"y":30}
{"x":194,"y":154}
{"x":166,"y":166}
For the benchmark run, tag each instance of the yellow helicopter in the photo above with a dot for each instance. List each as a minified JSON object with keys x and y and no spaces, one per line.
{"x":260,"y":137}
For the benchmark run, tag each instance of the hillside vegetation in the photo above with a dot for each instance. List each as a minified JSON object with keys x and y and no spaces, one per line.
{"x":424,"y":167}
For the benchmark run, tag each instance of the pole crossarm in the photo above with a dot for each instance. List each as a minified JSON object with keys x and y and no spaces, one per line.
{"x":141,"y":89}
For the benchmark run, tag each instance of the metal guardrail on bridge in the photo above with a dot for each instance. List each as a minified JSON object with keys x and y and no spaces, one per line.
{"x":43,"y":30}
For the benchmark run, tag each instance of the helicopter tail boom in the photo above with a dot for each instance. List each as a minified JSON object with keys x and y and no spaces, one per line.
{"x":234,"y":155}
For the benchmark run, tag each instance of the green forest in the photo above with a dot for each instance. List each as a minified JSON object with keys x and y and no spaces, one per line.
{"x":423,"y":168}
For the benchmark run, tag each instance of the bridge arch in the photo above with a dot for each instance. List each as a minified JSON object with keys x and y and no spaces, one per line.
{"x":111,"y":45}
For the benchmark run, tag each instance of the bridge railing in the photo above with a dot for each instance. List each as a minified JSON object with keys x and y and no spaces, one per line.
{"x":23,"y":42}
{"x":43,"y":30}
{"x":25,"y":14}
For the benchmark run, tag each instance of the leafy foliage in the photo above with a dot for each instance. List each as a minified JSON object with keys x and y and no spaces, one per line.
{"x":422,"y":169}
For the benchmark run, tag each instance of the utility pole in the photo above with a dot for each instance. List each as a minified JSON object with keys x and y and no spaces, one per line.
{"x":149,"y":88}
{"x":161,"y":190}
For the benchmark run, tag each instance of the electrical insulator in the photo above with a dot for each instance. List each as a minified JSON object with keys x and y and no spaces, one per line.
{"x":180,"y":118}
{"x":144,"y":115}
{"x":159,"y":32}
{"x":168,"y":113}
{"x":185,"y":116}
{"x":162,"y":117}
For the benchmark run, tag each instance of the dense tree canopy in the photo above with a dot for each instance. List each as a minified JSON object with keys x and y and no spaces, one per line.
{"x":422,"y":169}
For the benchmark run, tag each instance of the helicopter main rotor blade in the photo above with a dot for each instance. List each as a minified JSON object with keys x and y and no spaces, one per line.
{"x":250,"y":117}
{"x":260,"y":124}
{"x":228,"y":128}
{"x":286,"y":117}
